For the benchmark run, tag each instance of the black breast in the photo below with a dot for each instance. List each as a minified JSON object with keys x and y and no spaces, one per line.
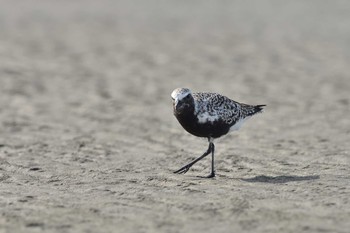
{"x":190,"y":123}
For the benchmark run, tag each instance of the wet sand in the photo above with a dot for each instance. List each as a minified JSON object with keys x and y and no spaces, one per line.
{"x":88,"y":142}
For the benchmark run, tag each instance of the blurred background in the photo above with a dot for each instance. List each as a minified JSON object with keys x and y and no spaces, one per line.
{"x":76,"y":63}
{"x":85,"y":99}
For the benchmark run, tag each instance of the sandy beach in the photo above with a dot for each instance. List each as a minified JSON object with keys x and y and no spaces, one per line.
{"x":89,"y":143}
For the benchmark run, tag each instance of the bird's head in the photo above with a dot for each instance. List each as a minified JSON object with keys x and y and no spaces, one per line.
{"x":182,"y":100}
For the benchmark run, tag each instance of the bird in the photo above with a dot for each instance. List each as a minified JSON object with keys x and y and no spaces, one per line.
{"x":209,"y":115}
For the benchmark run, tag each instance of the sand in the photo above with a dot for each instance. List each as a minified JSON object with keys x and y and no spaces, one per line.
{"x":88,"y":142}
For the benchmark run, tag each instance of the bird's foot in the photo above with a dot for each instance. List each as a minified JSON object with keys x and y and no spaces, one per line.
{"x":183,"y":170}
{"x":211,"y":175}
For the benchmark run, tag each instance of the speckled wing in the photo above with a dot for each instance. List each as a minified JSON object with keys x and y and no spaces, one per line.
{"x":211,"y":107}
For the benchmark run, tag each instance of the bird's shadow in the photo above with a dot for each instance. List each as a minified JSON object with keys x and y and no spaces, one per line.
{"x":280,"y":179}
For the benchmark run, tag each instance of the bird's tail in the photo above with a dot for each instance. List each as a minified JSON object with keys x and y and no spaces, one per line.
{"x":259,"y":108}
{"x":250,"y":110}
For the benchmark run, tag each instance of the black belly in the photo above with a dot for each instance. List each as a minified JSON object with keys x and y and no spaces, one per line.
{"x":209,"y":129}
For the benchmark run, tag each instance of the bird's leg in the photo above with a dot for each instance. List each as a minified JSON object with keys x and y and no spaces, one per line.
{"x":212,"y":174}
{"x":185,"y":168}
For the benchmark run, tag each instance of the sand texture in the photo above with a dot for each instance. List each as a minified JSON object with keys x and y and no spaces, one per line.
{"x":88,"y":141}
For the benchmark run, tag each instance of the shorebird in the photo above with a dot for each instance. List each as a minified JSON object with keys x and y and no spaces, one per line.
{"x":209,"y":115}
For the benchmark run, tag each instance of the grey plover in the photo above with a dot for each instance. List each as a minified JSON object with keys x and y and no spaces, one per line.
{"x":209,"y":115}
